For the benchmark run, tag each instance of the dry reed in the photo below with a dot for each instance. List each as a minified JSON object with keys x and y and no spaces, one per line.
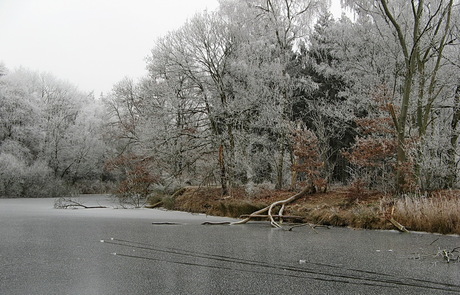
{"x":437,"y":213}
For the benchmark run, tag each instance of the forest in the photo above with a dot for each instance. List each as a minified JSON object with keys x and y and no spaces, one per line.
{"x":258,"y":93}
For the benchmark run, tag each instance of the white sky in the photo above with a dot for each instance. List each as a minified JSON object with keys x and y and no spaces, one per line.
{"x":91,"y":43}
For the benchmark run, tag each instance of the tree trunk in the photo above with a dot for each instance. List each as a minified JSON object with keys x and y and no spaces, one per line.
{"x":223,"y":171}
{"x":452,"y":177}
{"x":410,"y":57}
{"x":230,"y":160}
{"x":279,"y":170}
{"x":401,"y":130}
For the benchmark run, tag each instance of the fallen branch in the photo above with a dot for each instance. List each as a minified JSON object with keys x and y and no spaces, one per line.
{"x":65,"y":203}
{"x":157,"y":204}
{"x":216,"y":223}
{"x":274,"y":216}
{"x":398,"y":225}
{"x":308,"y":190}
{"x":449,"y":256}
{"x":280,"y":213}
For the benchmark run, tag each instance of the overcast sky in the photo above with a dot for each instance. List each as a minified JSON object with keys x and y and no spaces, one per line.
{"x":91,"y":43}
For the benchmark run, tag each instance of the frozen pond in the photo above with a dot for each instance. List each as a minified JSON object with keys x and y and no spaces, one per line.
{"x":59,"y":251}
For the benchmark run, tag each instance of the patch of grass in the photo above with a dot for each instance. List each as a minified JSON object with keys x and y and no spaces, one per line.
{"x":438,"y":213}
{"x":197,"y":200}
{"x":368,"y":217}
{"x":152,"y":200}
{"x":169,"y":202}
{"x":358,"y":217}
{"x":237,"y":208}
{"x":165,"y":201}
{"x":328,"y":216}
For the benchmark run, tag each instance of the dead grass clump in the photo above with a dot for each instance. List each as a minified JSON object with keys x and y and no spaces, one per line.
{"x":438,"y":213}
{"x":209,"y":200}
{"x":236,"y":208}
{"x":197,"y":200}
{"x":331,"y":216}
{"x":360,"y":216}
{"x":168,"y":202}
{"x":351,"y":207}
{"x":366,"y":216}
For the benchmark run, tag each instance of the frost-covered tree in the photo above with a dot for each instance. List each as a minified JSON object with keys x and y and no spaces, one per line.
{"x":193,"y":61}
{"x":264,"y":78}
{"x":422,"y":32}
{"x":219,"y":94}
{"x":49,"y":135}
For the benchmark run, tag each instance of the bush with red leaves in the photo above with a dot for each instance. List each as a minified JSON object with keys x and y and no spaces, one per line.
{"x":137,"y":178}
